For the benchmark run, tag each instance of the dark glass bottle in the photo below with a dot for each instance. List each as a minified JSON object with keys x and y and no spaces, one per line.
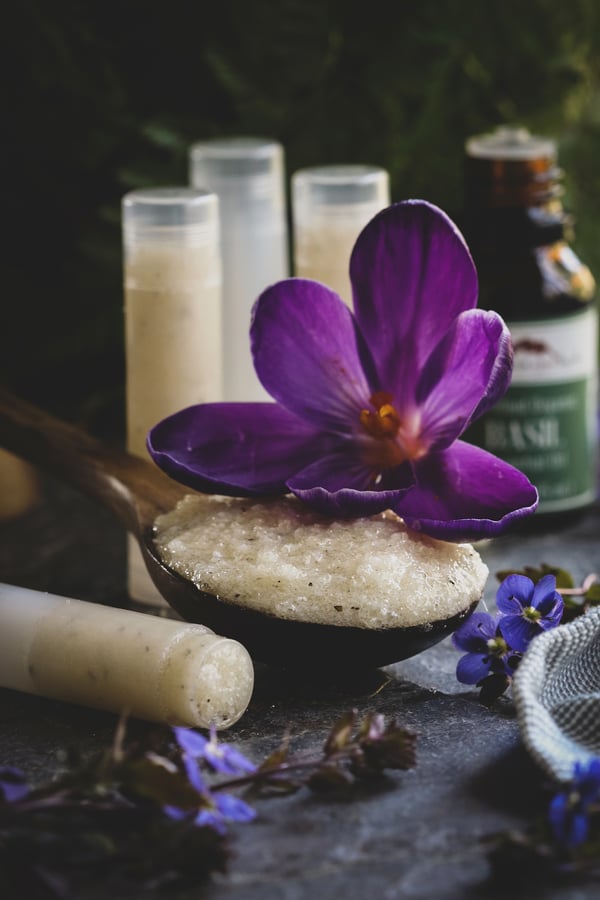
{"x":519,"y":235}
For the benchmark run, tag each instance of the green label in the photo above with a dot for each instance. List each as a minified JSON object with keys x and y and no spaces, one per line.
{"x":546,"y":431}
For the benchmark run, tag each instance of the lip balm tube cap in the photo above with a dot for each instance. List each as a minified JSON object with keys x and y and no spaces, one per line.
{"x":174,"y":215}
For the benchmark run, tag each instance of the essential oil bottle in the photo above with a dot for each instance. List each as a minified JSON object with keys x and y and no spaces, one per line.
{"x":520,"y":237}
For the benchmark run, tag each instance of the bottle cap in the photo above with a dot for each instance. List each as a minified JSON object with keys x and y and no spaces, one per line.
{"x":173,"y":215}
{"x":510,"y":142}
{"x":247,"y":174}
{"x":339,"y":190}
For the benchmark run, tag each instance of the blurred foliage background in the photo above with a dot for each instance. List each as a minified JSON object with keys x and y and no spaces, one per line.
{"x":106,"y":97}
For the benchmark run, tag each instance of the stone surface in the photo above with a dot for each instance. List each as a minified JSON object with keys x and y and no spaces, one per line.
{"x":418,"y":834}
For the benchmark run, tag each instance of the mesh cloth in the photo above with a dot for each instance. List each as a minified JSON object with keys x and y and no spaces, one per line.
{"x":556,"y":691}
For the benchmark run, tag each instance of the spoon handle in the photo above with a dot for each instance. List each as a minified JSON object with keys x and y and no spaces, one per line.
{"x":132,"y":488}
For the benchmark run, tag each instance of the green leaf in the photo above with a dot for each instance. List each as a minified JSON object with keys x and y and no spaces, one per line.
{"x":564,"y":579}
{"x":592,"y":595}
{"x":157,"y":779}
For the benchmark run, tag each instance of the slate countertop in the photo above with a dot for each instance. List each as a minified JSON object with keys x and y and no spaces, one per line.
{"x":419,"y":834}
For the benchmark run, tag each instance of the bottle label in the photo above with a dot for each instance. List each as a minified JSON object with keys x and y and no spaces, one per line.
{"x":546,"y":424}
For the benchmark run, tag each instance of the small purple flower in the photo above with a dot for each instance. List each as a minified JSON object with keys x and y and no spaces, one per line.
{"x":487,"y":651}
{"x":228,"y":808}
{"x":217,"y":810}
{"x":570,"y":809}
{"x":13,"y":784}
{"x":220,"y":757}
{"x":528,"y":609}
{"x":369,"y":406}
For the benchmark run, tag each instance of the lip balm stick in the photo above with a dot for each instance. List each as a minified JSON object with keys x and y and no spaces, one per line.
{"x":118,"y":660}
{"x":172,"y":280}
{"x":247,"y":174}
{"x":330,"y":207}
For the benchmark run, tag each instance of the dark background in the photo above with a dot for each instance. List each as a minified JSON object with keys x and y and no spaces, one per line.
{"x":106,"y":97}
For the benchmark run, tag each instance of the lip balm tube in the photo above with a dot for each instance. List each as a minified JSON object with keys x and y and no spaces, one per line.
{"x":172,"y":282}
{"x":118,"y":660}
{"x":247,"y":174}
{"x":330,"y":207}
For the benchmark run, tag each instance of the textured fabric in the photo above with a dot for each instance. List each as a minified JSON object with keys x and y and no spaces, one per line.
{"x":556,"y":691}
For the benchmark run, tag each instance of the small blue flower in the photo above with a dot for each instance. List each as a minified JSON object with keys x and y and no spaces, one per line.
{"x":217,"y":810}
{"x":528,"y":609}
{"x":228,"y":808}
{"x":13,"y":785}
{"x":220,"y":757}
{"x":570,"y":809}
{"x":487,"y":650}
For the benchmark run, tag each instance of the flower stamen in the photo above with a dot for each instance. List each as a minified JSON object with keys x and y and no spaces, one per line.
{"x":396,"y":439}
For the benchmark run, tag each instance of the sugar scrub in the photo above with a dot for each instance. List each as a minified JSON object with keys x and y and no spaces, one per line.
{"x":281,"y":558}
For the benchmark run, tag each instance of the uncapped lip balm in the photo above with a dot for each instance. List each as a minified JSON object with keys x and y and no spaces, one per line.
{"x":247,"y":174}
{"x":330,"y":207}
{"x":121,"y":661}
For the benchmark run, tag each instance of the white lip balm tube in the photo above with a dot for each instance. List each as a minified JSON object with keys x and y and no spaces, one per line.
{"x":121,"y":661}
{"x":247,"y":174}
{"x":172,"y":281}
{"x":330,"y":207}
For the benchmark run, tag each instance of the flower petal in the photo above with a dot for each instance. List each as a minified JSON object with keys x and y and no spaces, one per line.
{"x":514,"y":594}
{"x":238,"y":449}
{"x":470,"y":669}
{"x":518,"y":632}
{"x":234,"y":808}
{"x":412,"y":274}
{"x":465,"y":493}
{"x":309,"y":354}
{"x":340,"y":484}
{"x":471,"y":364}
{"x":545,"y":593}
{"x":475,"y":633}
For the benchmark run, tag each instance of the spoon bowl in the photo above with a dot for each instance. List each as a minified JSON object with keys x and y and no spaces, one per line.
{"x":137,"y":492}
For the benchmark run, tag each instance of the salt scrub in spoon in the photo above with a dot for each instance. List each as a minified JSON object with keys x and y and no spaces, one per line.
{"x":288,"y":561}
{"x":370,"y":405}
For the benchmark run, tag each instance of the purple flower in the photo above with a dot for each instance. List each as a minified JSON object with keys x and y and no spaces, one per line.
{"x":227,"y":808}
{"x":369,"y":406}
{"x":220,"y":757}
{"x":217,"y":810}
{"x":570,"y":809}
{"x":13,"y":784}
{"x":487,"y":651}
{"x":528,"y":608}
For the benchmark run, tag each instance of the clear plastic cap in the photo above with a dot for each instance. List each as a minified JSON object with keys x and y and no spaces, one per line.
{"x":171,"y":215}
{"x":348,"y":190}
{"x":510,"y":142}
{"x":247,"y":171}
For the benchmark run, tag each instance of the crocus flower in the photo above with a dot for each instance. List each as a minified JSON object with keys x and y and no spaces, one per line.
{"x":570,"y":808}
{"x":487,"y":651}
{"x":528,"y":608}
{"x":369,"y":407}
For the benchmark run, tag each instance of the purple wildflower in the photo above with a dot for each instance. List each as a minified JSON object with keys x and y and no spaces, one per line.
{"x":216,"y":810}
{"x":487,"y":651}
{"x":369,"y":406}
{"x":528,"y":609}
{"x":220,"y":757}
{"x":570,"y":809}
{"x":13,"y":784}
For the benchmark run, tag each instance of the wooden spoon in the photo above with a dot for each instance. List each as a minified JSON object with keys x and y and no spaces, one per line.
{"x":136,"y":491}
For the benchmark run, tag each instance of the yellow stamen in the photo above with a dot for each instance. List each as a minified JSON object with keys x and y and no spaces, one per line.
{"x":395,"y":440}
